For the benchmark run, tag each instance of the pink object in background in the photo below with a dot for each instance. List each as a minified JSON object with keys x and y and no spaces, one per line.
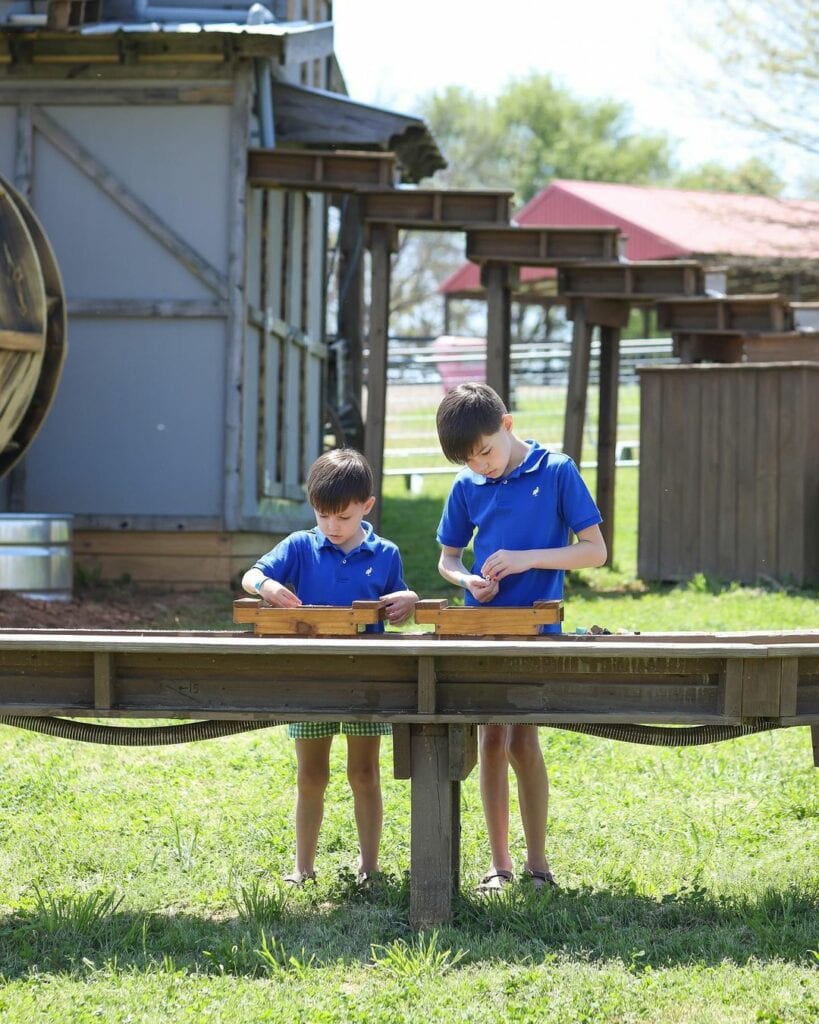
{"x":460,"y":360}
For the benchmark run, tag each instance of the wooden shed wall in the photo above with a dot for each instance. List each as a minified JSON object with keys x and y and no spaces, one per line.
{"x":729,"y":472}
{"x":136,"y":427}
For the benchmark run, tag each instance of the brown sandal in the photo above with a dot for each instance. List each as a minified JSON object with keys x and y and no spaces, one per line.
{"x":540,"y":879}
{"x":495,"y":881}
{"x":297,"y":880}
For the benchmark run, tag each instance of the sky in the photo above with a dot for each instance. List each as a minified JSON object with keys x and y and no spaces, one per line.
{"x":637,"y":51}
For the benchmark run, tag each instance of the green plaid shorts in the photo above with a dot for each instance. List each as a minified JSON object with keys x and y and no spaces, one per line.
{"x":320,"y":730}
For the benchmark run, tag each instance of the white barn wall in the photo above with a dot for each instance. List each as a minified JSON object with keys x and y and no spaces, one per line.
{"x":137,"y":423}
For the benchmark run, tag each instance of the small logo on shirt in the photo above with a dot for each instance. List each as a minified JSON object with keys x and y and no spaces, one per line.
{"x":368,"y":572}
{"x":535,"y":492}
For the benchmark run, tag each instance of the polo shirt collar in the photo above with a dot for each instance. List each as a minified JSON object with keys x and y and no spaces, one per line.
{"x":368,"y":544}
{"x":531,"y":461}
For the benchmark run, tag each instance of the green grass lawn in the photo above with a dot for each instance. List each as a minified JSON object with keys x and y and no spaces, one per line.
{"x":142,"y":885}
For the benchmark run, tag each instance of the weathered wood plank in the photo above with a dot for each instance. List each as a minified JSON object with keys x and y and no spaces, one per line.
{"x":431,"y":841}
{"x":498,"y":284}
{"x":104,"y":680}
{"x":375,"y":422}
{"x":580,"y":358}
{"x":320,"y":170}
{"x":427,"y":680}
{"x":607,"y":432}
{"x":761,"y":688}
{"x":463,"y":750}
{"x":401,"y":751}
{"x":540,"y":246}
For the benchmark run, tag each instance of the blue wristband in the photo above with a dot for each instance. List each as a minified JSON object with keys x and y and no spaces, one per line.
{"x":259,"y":584}
{"x":462,"y":582}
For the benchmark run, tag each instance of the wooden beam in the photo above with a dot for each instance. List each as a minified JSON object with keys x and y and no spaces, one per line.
{"x":497,"y":281}
{"x":732,"y":314}
{"x":234,"y":291}
{"x":103,"y":680}
{"x":380,"y":241}
{"x":575,"y":414}
{"x":320,"y":170}
{"x":638,"y":280}
{"x":436,"y":209}
{"x":148,"y":309}
{"x":607,"y":431}
{"x":541,"y":246}
{"x":432,"y":827}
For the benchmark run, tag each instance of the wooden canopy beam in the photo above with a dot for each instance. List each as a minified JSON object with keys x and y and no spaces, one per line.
{"x":320,"y":170}
{"x":436,"y":209}
{"x":637,"y":281}
{"x":729,"y":314}
{"x":541,"y":246}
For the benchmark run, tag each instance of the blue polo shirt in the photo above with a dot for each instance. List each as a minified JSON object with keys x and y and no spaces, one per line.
{"x":321,"y":573}
{"x":534,"y":506}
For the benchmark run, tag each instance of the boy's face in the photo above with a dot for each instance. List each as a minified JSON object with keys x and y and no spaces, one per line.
{"x":344,"y":528}
{"x":490,"y":456}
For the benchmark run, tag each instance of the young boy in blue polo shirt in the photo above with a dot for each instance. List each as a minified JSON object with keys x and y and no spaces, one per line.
{"x":521,"y":502}
{"x":340,"y":561}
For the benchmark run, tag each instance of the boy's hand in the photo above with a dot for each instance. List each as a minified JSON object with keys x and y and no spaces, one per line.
{"x":481,"y":589}
{"x":506,"y":563}
{"x":280,"y":597}
{"x":399,"y":606}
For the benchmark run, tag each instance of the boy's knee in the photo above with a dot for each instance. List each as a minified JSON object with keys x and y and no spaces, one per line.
{"x":313,"y":780}
{"x":364,"y":778}
{"x":524,"y":748}
{"x":492,"y":743}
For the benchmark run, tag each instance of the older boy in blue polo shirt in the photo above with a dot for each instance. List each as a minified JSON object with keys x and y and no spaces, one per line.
{"x":520,"y":502}
{"x":340,"y":561}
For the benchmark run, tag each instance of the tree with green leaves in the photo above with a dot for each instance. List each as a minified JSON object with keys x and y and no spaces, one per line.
{"x":764,"y":67}
{"x":536,"y":130}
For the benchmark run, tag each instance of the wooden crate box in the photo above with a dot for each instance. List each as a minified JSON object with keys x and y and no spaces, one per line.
{"x":729,"y":472}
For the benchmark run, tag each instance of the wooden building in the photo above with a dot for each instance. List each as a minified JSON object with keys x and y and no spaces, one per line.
{"x":192,"y":400}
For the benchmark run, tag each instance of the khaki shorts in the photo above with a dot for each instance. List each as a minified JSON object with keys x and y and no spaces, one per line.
{"x":321,"y":730}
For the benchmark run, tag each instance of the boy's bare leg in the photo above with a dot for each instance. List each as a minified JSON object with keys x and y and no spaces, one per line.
{"x":364,"y":776}
{"x":494,"y":780}
{"x":313,"y":758}
{"x":526,"y":759}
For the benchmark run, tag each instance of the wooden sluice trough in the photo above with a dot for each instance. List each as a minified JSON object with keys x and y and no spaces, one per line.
{"x":434,"y":689}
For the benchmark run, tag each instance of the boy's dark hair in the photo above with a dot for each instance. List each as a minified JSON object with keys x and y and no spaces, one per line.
{"x":337,"y":478}
{"x":466,"y":414}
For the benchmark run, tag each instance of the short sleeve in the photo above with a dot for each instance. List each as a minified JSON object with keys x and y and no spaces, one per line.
{"x":456,"y":527}
{"x":577,"y":507}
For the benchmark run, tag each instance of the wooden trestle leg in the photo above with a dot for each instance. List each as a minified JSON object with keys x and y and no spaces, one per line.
{"x":434,"y":843}
{"x":814,"y":735}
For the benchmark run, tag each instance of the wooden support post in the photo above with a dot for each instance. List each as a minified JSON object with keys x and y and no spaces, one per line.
{"x":607,"y":431}
{"x":401,"y":751}
{"x":433,"y":840}
{"x":575,"y":417}
{"x":103,"y":680}
{"x":814,"y":735}
{"x":496,"y":280}
{"x":380,"y":241}
{"x":351,"y":288}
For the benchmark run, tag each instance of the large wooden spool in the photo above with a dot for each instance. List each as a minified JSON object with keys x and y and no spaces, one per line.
{"x":32,"y":326}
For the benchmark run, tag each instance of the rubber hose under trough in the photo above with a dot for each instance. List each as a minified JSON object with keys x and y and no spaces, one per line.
{"x":663,"y":736}
{"x":134,"y":736}
{"x":191,"y":732}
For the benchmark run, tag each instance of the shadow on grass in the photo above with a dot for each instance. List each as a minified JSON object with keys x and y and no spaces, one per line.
{"x":321,"y":927}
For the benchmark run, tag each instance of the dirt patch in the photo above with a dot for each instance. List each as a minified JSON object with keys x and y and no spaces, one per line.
{"x":117,"y":608}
